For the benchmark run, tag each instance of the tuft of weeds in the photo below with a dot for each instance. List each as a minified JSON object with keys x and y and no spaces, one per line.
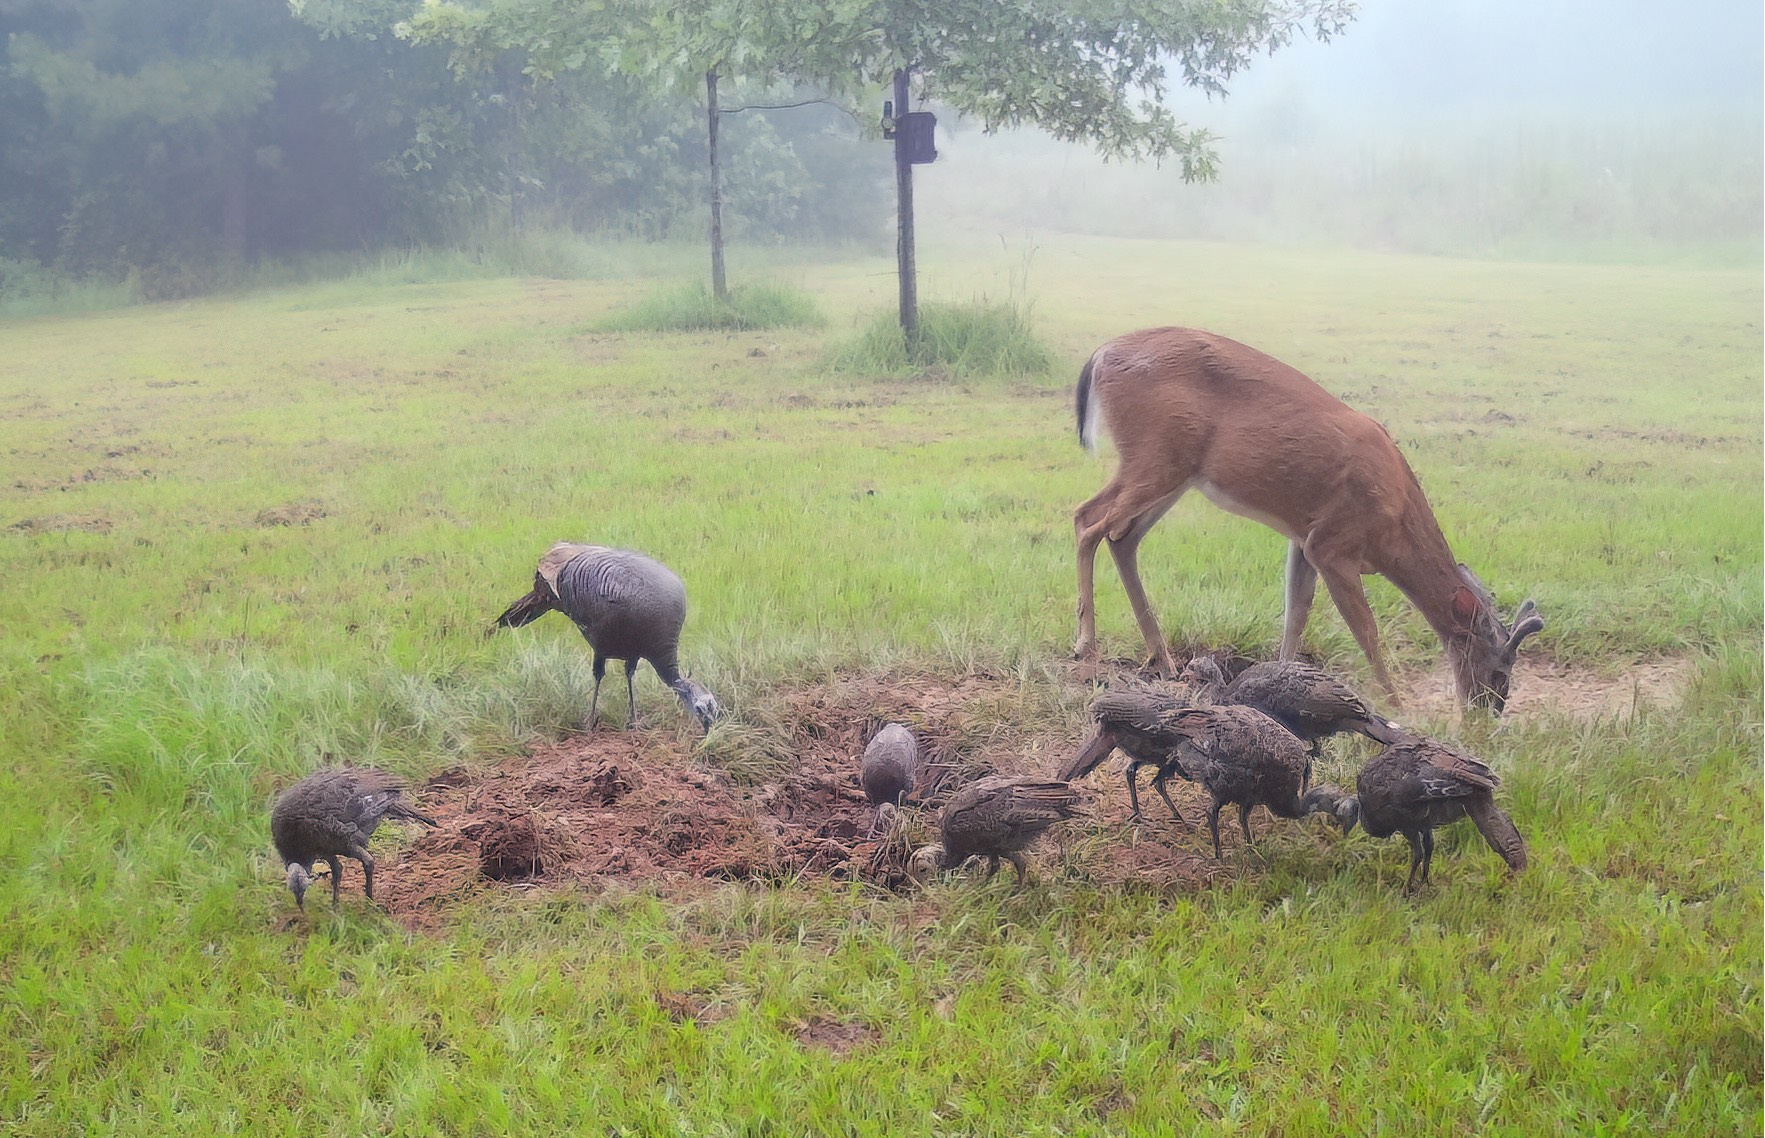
{"x":979,"y":338}
{"x":750,"y":754}
{"x":692,"y":308}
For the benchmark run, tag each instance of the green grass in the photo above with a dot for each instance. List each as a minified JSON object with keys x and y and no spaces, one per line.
{"x":693,"y":308}
{"x":1589,"y":436}
{"x":981,"y":338}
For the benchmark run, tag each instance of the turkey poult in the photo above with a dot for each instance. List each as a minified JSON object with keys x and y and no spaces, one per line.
{"x":1244,"y":759}
{"x":330,"y":815}
{"x":1134,"y":723}
{"x":627,"y":606}
{"x":996,"y":817}
{"x":1305,"y":699}
{"x":1239,"y":755}
{"x":1415,"y":785}
{"x":888,"y":770}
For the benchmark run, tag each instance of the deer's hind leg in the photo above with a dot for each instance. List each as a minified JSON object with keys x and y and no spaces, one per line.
{"x":1134,"y":519}
{"x":1090,"y":525}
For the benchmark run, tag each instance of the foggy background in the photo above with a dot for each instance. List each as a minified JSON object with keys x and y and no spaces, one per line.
{"x":1622,"y":131}
{"x":180,"y":145}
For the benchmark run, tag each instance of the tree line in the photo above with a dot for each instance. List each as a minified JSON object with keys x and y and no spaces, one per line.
{"x":165,"y":137}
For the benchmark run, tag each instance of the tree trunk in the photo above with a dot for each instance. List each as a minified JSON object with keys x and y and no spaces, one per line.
{"x":719,"y":287}
{"x":905,"y":268}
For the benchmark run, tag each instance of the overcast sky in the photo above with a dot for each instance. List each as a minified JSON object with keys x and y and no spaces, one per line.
{"x":1402,"y":58}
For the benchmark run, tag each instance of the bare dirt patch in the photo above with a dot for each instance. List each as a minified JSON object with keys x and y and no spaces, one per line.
{"x":62,"y":523}
{"x":1544,"y":686}
{"x":646,"y":808}
{"x":835,"y":1035}
{"x":776,"y":800}
{"x":292,"y":514}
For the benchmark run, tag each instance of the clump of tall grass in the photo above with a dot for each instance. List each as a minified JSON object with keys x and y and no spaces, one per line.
{"x":692,"y":308}
{"x":979,"y":338}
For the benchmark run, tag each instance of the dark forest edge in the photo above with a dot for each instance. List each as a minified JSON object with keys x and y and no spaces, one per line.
{"x":155,"y":150}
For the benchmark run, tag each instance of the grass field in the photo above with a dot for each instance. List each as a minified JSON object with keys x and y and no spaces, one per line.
{"x":242,"y":533}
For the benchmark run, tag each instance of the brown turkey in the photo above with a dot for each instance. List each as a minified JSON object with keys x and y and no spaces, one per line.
{"x":1415,"y":785}
{"x":996,"y":817}
{"x":1244,"y":759}
{"x":1301,"y":697}
{"x":1134,"y":722}
{"x":331,"y":814}
{"x":1239,"y":755}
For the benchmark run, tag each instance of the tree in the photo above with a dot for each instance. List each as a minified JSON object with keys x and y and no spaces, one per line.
{"x":1081,"y":70}
{"x":674,"y":48}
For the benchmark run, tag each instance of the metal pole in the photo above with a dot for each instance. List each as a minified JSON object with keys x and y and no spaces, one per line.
{"x":904,"y":217}
{"x":719,"y":287}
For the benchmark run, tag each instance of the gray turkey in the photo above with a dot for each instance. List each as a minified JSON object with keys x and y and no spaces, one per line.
{"x":889,"y":769}
{"x":627,"y":606}
{"x":1134,"y":722}
{"x":331,"y":814}
{"x":1417,"y":784}
{"x":1301,"y":697}
{"x":996,"y":817}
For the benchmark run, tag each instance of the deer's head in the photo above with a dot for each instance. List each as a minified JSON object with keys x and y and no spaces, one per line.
{"x":1483,"y":649}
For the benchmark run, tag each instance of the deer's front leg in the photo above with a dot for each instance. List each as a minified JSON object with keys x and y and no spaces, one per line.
{"x":1302,"y":586}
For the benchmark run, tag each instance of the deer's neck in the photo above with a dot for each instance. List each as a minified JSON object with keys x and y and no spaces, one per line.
{"x":1422,"y":566}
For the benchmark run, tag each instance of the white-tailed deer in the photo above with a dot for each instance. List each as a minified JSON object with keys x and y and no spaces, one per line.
{"x":1189,"y":409}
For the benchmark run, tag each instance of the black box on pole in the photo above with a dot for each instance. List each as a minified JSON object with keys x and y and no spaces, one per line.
{"x":913,"y":134}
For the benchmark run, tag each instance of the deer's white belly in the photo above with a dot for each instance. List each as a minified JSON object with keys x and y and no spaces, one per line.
{"x":1231,"y":505}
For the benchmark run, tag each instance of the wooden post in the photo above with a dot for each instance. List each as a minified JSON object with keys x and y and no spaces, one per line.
{"x":904,"y":268}
{"x":719,"y":287}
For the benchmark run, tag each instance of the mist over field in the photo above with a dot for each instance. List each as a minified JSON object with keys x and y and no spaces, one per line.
{"x":171,"y":148}
{"x":1538,"y":131}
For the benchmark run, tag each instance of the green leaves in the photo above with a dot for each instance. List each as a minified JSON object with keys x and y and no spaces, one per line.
{"x":1086,"y":71}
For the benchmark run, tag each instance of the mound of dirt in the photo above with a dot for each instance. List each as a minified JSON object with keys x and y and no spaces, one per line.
{"x":639,"y":808}
{"x":292,"y":514}
{"x":783,"y":803}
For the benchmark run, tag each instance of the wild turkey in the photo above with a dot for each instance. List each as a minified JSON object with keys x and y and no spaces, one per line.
{"x":996,"y":817}
{"x":1241,"y":756}
{"x":627,"y":606}
{"x":1134,"y":723}
{"x":1305,"y":699}
{"x":1415,"y":785}
{"x":331,"y":814}
{"x":889,"y":768}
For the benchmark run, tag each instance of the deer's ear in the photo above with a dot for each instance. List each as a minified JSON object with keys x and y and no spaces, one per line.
{"x":1465,"y":606}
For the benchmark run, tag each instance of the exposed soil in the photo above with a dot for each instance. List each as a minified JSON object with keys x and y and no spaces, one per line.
{"x":292,"y":514}
{"x":1543,"y":686}
{"x":639,"y":808}
{"x":836,"y":1036}
{"x":656,"y":808}
{"x":61,"y":523}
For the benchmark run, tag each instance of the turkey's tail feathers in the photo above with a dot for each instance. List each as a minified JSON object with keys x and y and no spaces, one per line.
{"x":1382,"y":730}
{"x":399,"y":811}
{"x":1499,"y":831}
{"x":1087,"y":760}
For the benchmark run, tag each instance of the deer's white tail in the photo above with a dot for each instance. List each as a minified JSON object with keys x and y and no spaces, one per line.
{"x":1085,"y":406}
